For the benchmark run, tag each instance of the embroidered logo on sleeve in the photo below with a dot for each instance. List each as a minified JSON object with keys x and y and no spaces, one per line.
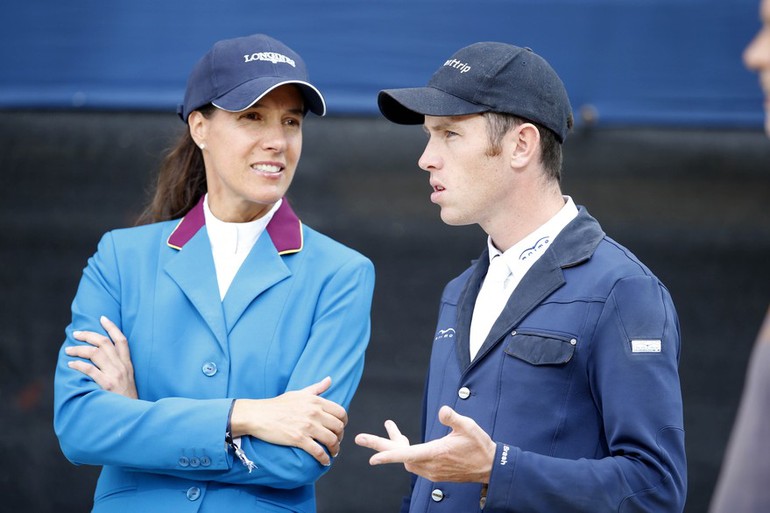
{"x":645,"y":346}
{"x":504,"y":457}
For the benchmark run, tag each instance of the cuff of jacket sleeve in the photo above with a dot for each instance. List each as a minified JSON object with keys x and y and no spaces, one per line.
{"x":501,"y":478}
{"x":228,"y":429}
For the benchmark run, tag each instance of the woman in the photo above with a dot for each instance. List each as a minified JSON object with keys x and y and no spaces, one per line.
{"x":199,"y":347}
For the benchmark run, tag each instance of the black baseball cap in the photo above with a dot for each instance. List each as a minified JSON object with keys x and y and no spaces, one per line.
{"x":237,"y":72}
{"x":486,"y":77}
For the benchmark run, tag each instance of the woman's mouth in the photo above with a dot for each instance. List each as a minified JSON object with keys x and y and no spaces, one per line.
{"x":267,"y":168}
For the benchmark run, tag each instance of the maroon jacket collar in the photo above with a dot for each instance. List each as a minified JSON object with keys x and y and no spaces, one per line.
{"x":285,"y":228}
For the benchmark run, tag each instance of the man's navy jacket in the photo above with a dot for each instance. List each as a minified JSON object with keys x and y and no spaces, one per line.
{"x":577,"y":383}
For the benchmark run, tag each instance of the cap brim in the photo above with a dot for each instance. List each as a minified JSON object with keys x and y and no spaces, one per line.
{"x":249,"y":93}
{"x":409,"y":106}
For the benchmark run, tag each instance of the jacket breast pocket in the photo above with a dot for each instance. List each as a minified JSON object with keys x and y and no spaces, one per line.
{"x":537,"y":379}
{"x":541,"y":349}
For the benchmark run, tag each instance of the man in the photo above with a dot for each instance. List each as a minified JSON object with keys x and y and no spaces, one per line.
{"x":744,"y":482}
{"x":757,"y":57}
{"x":553,"y":384}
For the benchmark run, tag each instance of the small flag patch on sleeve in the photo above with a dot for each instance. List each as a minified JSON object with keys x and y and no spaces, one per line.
{"x":645,"y":346}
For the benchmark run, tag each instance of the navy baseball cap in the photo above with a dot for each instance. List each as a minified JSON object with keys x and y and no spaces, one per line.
{"x":237,"y":72}
{"x":486,"y":77}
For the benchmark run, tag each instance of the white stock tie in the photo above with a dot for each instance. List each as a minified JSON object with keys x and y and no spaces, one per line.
{"x":489,"y":303}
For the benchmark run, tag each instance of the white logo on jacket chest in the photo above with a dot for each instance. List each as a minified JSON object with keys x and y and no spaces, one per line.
{"x":447,"y":333}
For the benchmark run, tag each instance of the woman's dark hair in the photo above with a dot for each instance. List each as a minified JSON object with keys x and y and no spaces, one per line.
{"x":181,"y":180}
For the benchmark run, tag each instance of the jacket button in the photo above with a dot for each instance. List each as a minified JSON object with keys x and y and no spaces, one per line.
{"x":464,"y":393}
{"x":573,"y":342}
{"x":205,"y":461}
{"x":209,"y":368}
{"x":195,"y":462}
{"x":183,"y":462}
{"x":193,"y":493}
{"x":437,"y":495}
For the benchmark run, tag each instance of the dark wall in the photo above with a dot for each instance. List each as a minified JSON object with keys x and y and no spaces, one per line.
{"x":691,"y":204}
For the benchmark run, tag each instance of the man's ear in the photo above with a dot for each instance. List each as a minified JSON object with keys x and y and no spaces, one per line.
{"x":198,"y":125}
{"x":525,"y":144}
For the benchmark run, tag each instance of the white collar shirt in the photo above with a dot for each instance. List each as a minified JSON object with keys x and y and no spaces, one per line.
{"x":231,"y":243}
{"x":517,"y":260}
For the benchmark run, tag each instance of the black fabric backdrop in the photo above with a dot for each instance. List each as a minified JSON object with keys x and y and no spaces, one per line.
{"x":690,"y":204}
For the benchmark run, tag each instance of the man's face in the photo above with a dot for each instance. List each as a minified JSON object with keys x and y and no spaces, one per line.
{"x":757,"y":57}
{"x":467,"y":183}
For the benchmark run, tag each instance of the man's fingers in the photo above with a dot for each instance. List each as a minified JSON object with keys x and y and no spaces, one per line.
{"x":377,"y":443}
{"x":445,"y":414}
{"x":394,"y":433}
{"x":401,"y":454}
{"x":395,"y":439}
{"x":450,"y":418}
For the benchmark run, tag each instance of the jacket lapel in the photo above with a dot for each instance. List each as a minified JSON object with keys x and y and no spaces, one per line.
{"x":541,"y":280}
{"x":262,"y":269}
{"x":192,"y":269}
{"x":573,"y":246}
{"x":465,"y":306}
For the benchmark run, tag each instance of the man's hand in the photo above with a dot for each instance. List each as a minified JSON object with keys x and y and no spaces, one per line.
{"x":299,"y":418}
{"x":464,"y":455}
{"x":109,"y":359}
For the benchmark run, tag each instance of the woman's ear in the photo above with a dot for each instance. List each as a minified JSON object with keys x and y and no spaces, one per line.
{"x":198,"y":125}
{"x":524,"y":144}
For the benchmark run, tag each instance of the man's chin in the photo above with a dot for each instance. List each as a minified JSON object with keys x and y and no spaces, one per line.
{"x":453,"y":219}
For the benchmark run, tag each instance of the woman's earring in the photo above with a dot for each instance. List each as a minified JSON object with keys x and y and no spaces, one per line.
{"x":202,"y":146}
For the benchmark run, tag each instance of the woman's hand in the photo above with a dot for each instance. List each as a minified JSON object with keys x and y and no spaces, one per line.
{"x":109,"y":359}
{"x":298,"y":419}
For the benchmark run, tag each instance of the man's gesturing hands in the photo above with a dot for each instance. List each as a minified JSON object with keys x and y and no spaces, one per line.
{"x":464,"y":455}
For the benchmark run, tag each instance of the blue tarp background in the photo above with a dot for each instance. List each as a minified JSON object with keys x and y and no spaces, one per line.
{"x":632,"y":62}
